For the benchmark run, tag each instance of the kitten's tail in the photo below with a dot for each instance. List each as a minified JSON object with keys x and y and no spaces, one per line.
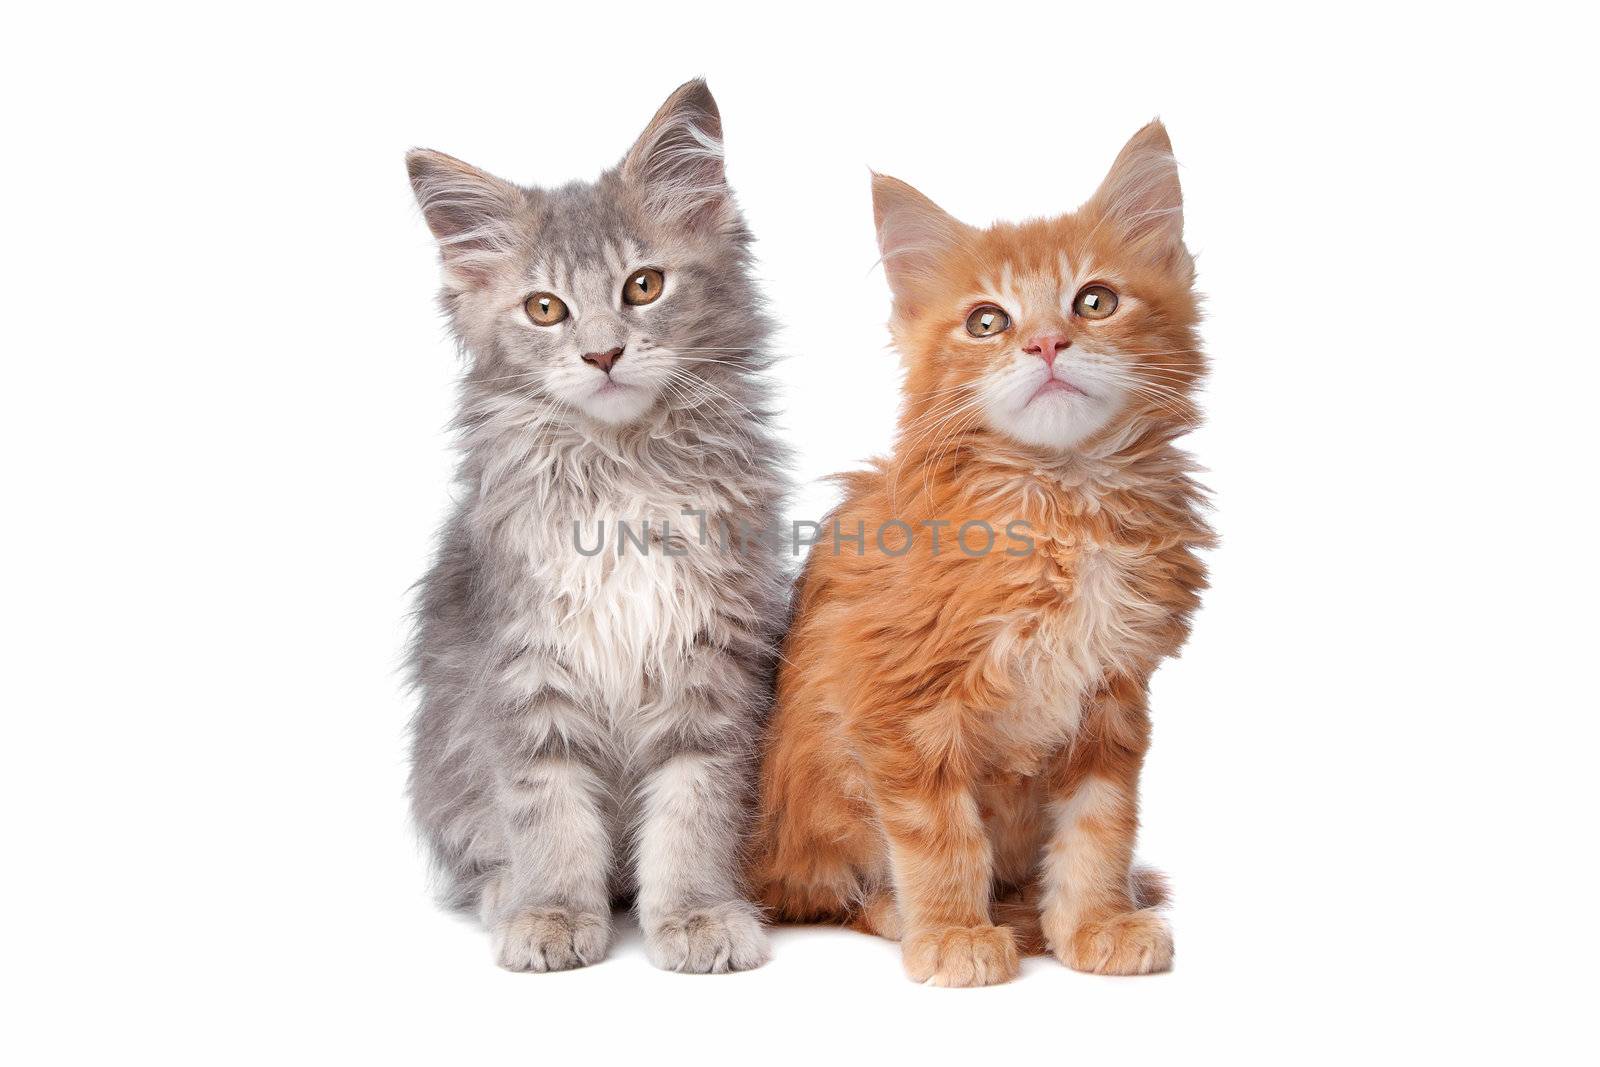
{"x":1150,"y":888}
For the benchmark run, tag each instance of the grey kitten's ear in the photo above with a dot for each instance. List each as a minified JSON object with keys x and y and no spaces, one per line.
{"x":915,"y":236}
{"x":469,"y":211}
{"x":1141,"y":197}
{"x":677,"y":161}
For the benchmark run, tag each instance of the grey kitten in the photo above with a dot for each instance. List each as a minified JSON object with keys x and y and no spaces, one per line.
{"x":588,"y":718}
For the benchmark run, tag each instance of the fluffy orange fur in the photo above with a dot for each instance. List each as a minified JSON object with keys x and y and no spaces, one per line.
{"x":955,"y":752}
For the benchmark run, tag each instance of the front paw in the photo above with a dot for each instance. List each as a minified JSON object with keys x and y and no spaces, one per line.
{"x":1134,"y":942}
{"x":551,"y":939}
{"x":714,"y":940}
{"x":962,"y":956}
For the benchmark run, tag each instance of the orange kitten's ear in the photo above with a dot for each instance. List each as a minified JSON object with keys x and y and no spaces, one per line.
{"x":468,"y":210}
{"x":914,"y":237}
{"x":677,"y":161}
{"x":1141,"y":197}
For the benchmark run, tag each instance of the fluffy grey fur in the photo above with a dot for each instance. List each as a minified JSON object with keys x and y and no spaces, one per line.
{"x":588,"y":720}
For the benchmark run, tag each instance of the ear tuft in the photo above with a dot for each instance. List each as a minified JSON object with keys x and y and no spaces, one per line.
{"x":914,"y":236}
{"x":677,"y":161}
{"x":1141,"y":196}
{"x":469,"y":211}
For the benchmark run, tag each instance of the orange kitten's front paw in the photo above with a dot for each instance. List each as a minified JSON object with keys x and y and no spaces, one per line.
{"x":1135,"y":942}
{"x":962,"y":956}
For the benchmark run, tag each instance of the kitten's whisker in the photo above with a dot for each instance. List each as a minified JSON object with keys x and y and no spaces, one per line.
{"x":685,"y":389}
{"x":950,"y":440}
{"x":679,"y":375}
{"x":912,"y":434}
{"x":911,"y":431}
{"x":503,"y":378}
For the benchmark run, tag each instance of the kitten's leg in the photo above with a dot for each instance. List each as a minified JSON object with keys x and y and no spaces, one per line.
{"x":943,"y":873}
{"x":815,"y":842}
{"x":879,"y":914}
{"x":691,"y":822}
{"x":1091,"y":910}
{"x":549,"y":909}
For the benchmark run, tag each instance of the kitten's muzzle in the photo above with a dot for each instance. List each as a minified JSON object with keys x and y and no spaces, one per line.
{"x":604,"y":360}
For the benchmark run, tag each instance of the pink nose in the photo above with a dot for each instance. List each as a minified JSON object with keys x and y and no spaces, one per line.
{"x":603,"y":360}
{"x":1047,"y":346}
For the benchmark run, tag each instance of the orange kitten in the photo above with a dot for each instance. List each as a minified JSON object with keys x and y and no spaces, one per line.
{"x":962,"y":709}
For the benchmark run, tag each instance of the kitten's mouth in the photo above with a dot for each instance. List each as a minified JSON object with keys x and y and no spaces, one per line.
{"x":1055,"y":387}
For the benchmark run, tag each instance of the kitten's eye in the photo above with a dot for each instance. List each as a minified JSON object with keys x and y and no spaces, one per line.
{"x":643,"y":288}
{"x":545,"y":309}
{"x":988,"y":321}
{"x":1095,"y":302}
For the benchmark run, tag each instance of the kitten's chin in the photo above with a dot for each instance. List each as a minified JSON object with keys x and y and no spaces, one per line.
{"x":615,"y":404}
{"x":1058,"y":420}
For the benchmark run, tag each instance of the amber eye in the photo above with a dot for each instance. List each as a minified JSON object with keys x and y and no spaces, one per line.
{"x":1095,"y":302}
{"x":545,"y":309}
{"x":988,"y":321}
{"x":643,"y":288}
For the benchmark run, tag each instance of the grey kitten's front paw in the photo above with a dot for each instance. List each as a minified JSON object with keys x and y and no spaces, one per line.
{"x":551,"y":939}
{"x":713,"y":940}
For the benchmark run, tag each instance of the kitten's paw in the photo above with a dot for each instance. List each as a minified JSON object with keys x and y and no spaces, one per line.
{"x":1134,"y":942}
{"x":962,"y":956}
{"x":715,"y":940}
{"x":551,"y":939}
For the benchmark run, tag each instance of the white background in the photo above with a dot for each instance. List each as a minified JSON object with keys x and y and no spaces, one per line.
{"x":224,"y":406}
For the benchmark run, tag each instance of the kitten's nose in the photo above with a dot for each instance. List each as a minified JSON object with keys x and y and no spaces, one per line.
{"x":604,"y":360}
{"x":1047,"y":345}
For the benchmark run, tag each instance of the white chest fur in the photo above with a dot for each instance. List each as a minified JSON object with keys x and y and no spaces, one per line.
{"x":618,"y":612}
{"x":631,"y":611}
{"x":1101,"y":627}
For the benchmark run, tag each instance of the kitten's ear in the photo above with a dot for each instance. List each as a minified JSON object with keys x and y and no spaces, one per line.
{"x":1141,"y":197}
{"x":468,"y":210}
{"x":914,"y":236}
{"x":677,"y":161}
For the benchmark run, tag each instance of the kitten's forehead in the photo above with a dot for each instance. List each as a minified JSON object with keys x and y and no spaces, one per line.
{"x":1034,"y":283}
{"x":582,"y":231}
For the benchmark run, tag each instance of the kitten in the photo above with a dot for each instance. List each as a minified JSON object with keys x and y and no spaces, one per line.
{"x":593,"y":667}
{"x":961,"y":712}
